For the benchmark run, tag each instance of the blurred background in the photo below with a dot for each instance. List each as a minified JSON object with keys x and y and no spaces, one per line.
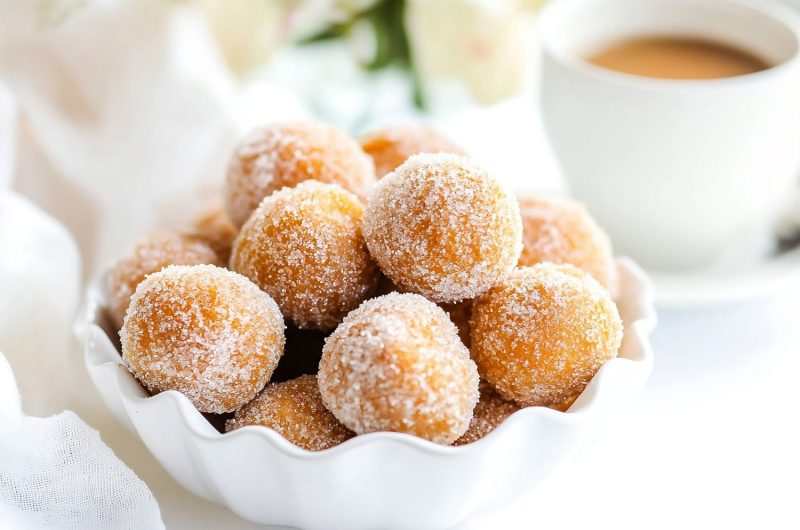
{"x":118,"y":116}
{"x":123,"y":107}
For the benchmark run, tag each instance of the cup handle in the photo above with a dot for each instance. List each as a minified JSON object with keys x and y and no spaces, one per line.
{"x":788,"y":228}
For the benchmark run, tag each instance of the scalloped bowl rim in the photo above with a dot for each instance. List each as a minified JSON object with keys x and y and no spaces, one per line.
{"x":642,"y":324}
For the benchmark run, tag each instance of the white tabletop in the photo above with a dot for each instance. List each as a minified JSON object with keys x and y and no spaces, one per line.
{"x":712,"y":443}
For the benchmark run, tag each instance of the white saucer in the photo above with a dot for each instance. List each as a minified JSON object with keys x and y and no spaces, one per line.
{"x":724,"y":284}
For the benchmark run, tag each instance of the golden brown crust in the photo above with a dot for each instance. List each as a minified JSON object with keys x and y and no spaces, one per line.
{"x":295,"y":410}
{"x":285,"y":154}
{"x":560,"y":230}
{"x":303,"y":246}
{"x":396,"y":364}
{"x":151,"y":254}
{"x":442,"y":227}
{"x":391,"y":146}
{"x":204,"y":331}
{"x":540,"y":336}
{"x":490,"y":412}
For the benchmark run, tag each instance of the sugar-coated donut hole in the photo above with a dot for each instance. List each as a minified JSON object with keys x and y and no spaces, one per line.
{"x":542,"y":334}
{"x":560,"y":230}
{"x":204,"y":331}
{"x":285,"y":154}
{"x":391,"y":146}
{"x":295,"y":410}
{"x":397,"y":364}
{"x":320,"y":236}
{"x":303,"y":246}
{"x":563,"y":406}
{"x":491,"y":411}
{"x":459,"y":312}
{"x":214,"y":226}
{"x":151,"y":254}
{"x":442,"y":227}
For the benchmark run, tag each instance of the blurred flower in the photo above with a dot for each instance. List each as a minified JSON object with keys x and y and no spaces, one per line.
{"x":486,"y":45}
{"x":249,"y":31}
{"x":52,"y":13}
{"x":308,"y":17}
{"x":483,"y":48}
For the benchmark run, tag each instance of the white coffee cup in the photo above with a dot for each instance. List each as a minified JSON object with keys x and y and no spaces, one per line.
{"x":678,"y":172}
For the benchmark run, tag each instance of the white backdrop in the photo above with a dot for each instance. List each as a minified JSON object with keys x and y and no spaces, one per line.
{"x":713,"y":441}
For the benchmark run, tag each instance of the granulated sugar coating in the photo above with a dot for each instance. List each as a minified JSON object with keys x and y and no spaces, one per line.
{"x":442,"y":227}
{"x":286,"y":154}
{"x":391,"y":146}
{"x":563,"y":406}
{"x":204,"y":331}
{"x":562,"y":231}
{"x":303,"y":246}
{"x":396,"y":364}
{"x":294,"y":409}
{"x":149,"y":255}
{"x":541,"y":335}
{"x":214,"y":226}
{"x":490,"y":412}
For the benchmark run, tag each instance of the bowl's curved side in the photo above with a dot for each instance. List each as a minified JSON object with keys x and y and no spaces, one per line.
{"x":385,"y":480}
{"x":100,"y":356}
{"x":621,"y":379}
{"x":372,"y":479}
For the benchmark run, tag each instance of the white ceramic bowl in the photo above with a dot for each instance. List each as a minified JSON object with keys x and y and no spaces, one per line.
{"x":379,"y":480}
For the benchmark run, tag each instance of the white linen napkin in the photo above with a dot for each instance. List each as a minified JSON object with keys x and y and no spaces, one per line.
{"x":39,"y":293}
{"x":116,"y":127}
{"x":56,"y":473}
{"x":127,"y":114}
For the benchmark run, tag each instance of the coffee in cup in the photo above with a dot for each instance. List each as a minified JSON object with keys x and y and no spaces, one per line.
{"x":677,"y":57}
{"x":681,"y":169}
